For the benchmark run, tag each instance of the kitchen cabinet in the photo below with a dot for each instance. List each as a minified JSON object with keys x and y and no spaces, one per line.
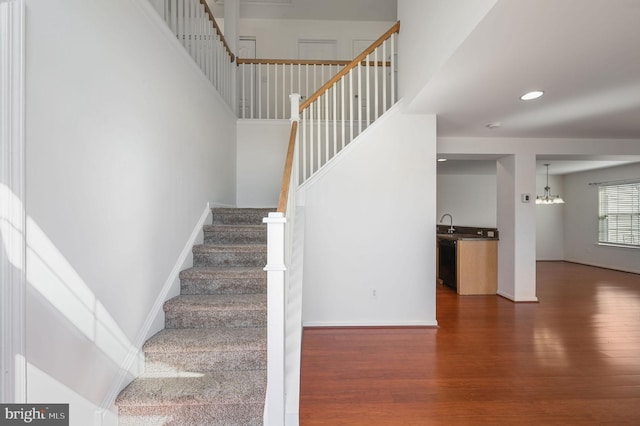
{"x":476,"y":264}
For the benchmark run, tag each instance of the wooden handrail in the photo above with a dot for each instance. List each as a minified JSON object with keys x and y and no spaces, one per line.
{"x":290,"y":62}
{"x":394,"y":29}
{"x":241,"y":61}
{"x":288,"y":166}
{"x":218,"y":31}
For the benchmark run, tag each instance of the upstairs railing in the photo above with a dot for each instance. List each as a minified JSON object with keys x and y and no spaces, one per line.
{"x":264,"y":85}
{"x":195,"y":27}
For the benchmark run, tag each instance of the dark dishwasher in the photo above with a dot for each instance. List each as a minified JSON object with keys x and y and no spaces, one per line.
{"x":448,"y":263}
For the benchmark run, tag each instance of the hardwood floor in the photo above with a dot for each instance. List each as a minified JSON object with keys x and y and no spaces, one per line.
{"x":571,"y":359}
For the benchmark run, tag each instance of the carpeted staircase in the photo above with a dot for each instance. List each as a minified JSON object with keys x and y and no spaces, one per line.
{"x":208,"y":366}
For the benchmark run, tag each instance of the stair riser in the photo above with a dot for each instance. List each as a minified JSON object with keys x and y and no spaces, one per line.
{"x":171,"y":362}
{"x":233,"y":236}
{"x":192,"y":415}
{"x":224,"y":285}
{"x":208,"y":319}
{"x":230,"y":258}
{"x":239,"y":217}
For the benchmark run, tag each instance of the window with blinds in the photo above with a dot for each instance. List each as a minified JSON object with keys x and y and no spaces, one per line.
{"x":619,"y":216}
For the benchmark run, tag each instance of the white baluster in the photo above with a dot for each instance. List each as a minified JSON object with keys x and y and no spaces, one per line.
{"x":284,"y":87}
{"x":260,"y":66}
{"x":393,"y":69}
{"x":312,"y":151}
{"x":384,"y":77}
{"x":376,"y":69}
{"x":334,"y":118}
{"x":368,"y":90}
{"x":304,"y":144}
{"x":253,"y":88}
{"x":351,"y":104}
{"x":268,"y":86}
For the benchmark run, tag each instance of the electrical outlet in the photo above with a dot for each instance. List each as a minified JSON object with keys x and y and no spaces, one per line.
{"x":373,"y":293}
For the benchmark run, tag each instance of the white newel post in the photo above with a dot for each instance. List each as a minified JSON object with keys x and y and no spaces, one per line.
{"x":276,"y":269}
{"x":294,"y":98}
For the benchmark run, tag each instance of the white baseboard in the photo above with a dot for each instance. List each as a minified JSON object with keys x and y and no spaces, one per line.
{"x":598,"y":265}
{"x":311,"y":324}
{"x":514,"y":299}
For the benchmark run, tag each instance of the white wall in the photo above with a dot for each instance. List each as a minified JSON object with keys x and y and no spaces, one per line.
{"x":369,"y":225}
{"x":581,"y":220}
{"x":262,"y":149}
{"x":469,"y":198}
{"x":278,"y":38}
{"x":126,"y":144}
{"x":431,"y":31}
{"x":550,"y":220}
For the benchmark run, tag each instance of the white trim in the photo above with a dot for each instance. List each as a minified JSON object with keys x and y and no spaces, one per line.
{"x":155,"y":318}
{"x":12,"y":196}
{"x":514,"y":299}
{"x":370,"y":324}
{"x":603,"y":266}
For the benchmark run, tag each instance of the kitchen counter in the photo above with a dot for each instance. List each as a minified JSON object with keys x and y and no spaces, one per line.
{"x":456,"y":236}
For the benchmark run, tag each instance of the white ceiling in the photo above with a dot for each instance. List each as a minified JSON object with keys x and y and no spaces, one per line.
{"x":584,"y":54}
{"x":339,"y":10}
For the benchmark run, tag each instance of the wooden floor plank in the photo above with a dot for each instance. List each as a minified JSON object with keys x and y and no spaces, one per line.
{"x":571,"y":359}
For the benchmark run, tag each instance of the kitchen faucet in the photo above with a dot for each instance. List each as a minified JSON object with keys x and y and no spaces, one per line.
{"x":451,"y":229}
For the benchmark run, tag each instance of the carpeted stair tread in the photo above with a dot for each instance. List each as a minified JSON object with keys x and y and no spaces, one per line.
{"x":231,"y":216}
{"x":218,"y":302}
{"x":213,"y":349}
{"x":206,"y":272}
{"x":222,"y":248}
{"x":235,"y":234}
{"x":230,"y":255}
{"x":216,"y":310}
{"x":217,"y":387}
{"x":223,"y":280}
{"x":198,"y":340}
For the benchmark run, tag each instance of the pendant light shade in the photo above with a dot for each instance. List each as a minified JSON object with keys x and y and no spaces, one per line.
{"x":547,"y":198}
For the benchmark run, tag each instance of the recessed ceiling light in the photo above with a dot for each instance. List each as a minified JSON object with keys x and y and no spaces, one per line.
{"x":493,"y":125}
{"x":531,"y":95}
{"x":440,"y":160}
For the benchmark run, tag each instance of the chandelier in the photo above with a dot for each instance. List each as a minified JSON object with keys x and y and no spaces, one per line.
{"x":547,"y":198}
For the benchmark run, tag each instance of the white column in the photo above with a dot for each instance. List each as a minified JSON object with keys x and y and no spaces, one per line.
{"x":12,"y":210}
{"x":516,"y":178}
{"x":231,"y":18}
